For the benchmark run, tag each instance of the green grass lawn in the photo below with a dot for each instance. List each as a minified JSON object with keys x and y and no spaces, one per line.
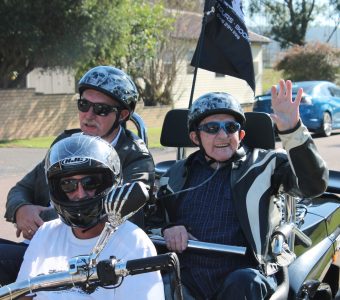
{"x":45,"y":142}
{"x":270,"y":77}
{"x":39,"y":142}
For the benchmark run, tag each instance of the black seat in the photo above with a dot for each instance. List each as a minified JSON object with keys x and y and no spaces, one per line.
{"x":259,"y":130}
{"x":259,"y":134}
{"x":174,"y":134}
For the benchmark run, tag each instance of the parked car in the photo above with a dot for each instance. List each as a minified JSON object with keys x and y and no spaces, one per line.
{"x":319,"y":109}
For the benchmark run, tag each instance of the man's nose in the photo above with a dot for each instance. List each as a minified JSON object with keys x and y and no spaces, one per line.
{"x":80,"y":192}
{"x":222,"y":132}
{"x":90,"y":112}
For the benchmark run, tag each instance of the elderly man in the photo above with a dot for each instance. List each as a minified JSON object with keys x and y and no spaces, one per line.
{"x":224,"y":193}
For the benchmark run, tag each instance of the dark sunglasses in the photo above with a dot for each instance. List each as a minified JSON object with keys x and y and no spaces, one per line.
{"x":99,"y":109}
{"x":90,"y":182}
{"x":215,"y":127}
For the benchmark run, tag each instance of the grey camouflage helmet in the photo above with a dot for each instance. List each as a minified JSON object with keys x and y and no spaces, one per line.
{"x":112,"y":82}
{"x":211,"y":104}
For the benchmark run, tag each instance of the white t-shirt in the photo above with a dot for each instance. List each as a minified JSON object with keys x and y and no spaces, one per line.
{"x":54,"y":244}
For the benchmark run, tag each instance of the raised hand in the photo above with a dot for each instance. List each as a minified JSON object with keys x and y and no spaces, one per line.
{"x":285,"y":111}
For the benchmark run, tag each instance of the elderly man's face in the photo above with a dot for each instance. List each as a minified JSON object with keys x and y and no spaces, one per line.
{"x":97,"y":125}
{"x":221,"y":145}
{"x":78,"y":187}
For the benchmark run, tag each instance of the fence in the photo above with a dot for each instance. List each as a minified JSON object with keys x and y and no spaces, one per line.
{"x":25,"y":114}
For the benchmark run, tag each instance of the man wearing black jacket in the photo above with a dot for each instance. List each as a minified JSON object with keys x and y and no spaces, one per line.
{"x":226,"y":193}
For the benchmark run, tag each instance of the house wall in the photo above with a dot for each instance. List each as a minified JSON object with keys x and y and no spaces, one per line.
{"x":257,"y":52}
{"x":25,"y":114}
{"x":51,"y":81}
{"x":207,"y":81}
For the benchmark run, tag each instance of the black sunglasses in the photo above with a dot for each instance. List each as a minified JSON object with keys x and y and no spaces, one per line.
{"x":99,"y":109}
{"x":90,"y":182}
{"x":215,"y":127}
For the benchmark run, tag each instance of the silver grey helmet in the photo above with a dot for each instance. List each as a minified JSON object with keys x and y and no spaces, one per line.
{"x":211,"y":104}
{"x":82,"y":154}
{"x":112,"y":82}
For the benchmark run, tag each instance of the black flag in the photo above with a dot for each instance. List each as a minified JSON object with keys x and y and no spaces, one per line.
{"x":226,"y":47}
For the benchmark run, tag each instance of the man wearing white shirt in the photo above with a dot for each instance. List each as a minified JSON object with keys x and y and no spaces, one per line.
{"x":82,"y":173}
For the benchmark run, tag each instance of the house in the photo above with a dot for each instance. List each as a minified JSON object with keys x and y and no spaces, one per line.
{"x":188,"y":28}
{"x":59,"y":81}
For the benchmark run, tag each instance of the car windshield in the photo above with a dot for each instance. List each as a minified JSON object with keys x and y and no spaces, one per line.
{"x":308,"y":87}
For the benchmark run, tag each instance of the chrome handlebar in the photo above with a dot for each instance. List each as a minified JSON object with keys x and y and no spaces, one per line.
{"x":80,"y":273}
{"x":204,"y":246}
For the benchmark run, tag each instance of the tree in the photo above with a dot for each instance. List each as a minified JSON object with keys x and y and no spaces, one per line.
{"x":187,"y":5}
{"x":134,"y":35}
{"x":38,"y":33}
{"x":154,"y":67}
{"x":320,"y":62}
{"x":156,"y":79}
{"x":137,"y":46}
{"x":288,"y":19}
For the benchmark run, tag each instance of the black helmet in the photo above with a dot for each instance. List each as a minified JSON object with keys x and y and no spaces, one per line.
{"x":211,"y":104}
{"x":112,"y":82}
{"x":76,"y":155}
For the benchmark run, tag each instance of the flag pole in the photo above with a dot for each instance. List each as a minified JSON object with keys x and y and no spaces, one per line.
{"x":201,"y":38}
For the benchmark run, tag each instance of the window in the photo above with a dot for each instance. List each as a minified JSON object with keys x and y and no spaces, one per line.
{"x":335,"y":92}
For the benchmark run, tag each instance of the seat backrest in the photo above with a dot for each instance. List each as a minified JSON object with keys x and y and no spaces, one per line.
{"x":259,"y":130}
{"x":140,"y":126}
{"x":175,"y":130}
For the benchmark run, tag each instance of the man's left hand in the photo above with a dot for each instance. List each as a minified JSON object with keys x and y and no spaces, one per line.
{"x":285,"y":111}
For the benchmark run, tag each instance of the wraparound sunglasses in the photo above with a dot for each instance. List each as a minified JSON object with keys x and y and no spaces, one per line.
{"x":215,"y":127}
{"x":90,"y":182}
{"x":100,"y":109}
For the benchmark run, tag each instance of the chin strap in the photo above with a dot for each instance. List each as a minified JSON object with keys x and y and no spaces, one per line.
{"x":114,"y":126}
{"x":212,"y":160}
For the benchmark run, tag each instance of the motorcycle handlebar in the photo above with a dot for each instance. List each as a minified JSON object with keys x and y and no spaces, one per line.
{"x":107,"y":272}
{"x":204,"y":246}
{"x":110,"y":270}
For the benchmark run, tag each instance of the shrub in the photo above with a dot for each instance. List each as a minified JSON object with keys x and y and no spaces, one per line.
{"x":313,"y":61}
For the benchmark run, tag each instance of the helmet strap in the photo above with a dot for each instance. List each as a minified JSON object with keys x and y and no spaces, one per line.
{"x":114,"y":126}
{"x":200,"y":145}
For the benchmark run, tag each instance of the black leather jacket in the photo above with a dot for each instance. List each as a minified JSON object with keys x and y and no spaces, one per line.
{"x":256,"y":176}
{"x":136,"y":162}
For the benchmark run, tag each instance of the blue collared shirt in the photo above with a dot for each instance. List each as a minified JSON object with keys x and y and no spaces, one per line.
{"x":209,"y":212}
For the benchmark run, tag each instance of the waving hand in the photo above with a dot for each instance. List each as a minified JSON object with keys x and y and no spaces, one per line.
{"x":286,"y":111}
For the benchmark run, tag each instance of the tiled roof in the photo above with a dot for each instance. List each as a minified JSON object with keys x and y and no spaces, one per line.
{"x":188,"y":26}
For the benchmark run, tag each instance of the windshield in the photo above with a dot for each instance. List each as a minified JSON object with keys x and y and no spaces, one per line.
{"x":308,"y":87}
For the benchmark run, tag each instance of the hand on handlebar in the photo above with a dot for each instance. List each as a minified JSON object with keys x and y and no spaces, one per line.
{"x":177,"y":237}
{"x":28,"y":220}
